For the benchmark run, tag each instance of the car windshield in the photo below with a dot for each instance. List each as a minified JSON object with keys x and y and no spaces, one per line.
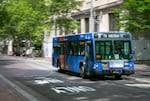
{"x":116,"y":50}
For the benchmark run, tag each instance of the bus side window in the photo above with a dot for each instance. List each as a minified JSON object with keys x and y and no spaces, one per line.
{"x":81,"y":48}
{"x":81,"y":51}
{"x":71,"y":48}
{"x":75,"y":48}
{"x":57,"y":48}
{"x":67,"y":48}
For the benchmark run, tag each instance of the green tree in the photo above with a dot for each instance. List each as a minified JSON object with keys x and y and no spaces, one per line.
{"x":134,"y":15}
{"x":21,"y":22}
{"x":61,"y":10}
{"x":26,"y":19}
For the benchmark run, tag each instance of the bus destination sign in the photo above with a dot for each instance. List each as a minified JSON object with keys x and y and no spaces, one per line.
{"x":111,"y":36}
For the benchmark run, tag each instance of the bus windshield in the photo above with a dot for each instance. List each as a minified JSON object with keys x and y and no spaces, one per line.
{"x":112,"y":50}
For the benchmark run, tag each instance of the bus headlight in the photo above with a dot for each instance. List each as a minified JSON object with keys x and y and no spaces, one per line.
{"x":128,"y":65}
{"x":131,"y":65}
{"x":95,"y":66}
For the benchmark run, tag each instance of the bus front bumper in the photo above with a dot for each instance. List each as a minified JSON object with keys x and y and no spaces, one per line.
{"x":112,"y":72}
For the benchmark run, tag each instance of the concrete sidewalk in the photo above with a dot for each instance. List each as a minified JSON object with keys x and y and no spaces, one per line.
{"x":7,"y":93}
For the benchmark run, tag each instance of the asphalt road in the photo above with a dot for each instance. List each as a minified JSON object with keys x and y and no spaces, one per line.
{"x":37,"y":80}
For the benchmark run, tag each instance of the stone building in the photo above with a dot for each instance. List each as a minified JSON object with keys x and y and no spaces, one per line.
{"x":102,"y":18}
{"x":96,"y":15}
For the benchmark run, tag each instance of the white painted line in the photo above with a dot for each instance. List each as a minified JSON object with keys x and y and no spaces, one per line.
{"x":139,"y":85}
{"x":47,"y":80}
{"x":141,"y":79}
{"x":72,"y":89}
{"x":18,"y":89}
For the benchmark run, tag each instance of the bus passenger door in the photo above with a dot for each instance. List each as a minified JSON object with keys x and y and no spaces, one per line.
{"x":62,"y":57}
{"x":88,"y":55}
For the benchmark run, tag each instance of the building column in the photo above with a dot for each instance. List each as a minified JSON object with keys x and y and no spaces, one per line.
{"x":82,"y":25}
{"x":104,"y":23}
{"x":10,"y":47}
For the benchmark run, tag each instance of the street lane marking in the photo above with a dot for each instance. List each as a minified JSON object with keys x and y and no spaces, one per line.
{"x":45,"y":80}
{"x":139,"y":85}
{"x":72,"y":89}
{"x":142,"y":80}
{"x":18,"y":89}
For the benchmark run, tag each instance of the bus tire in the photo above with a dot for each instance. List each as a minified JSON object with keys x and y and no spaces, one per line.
{"x":59,"y":66}
{"x":118,"y":77}
{"x":82,"y":72}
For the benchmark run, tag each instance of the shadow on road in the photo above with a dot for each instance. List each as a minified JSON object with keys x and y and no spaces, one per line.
{"x":92,"y":78}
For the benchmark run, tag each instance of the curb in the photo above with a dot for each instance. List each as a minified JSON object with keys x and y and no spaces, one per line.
{"x":18,"y":89}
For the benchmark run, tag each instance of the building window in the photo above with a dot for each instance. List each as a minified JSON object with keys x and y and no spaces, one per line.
{"x":79,"y":29}
{"x":112,"y":22}
{"x":86,"y":24}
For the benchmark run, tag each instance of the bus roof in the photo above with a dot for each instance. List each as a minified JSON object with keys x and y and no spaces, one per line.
{"x":83,"y":36}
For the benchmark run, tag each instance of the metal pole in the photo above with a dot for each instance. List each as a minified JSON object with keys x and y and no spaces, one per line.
{"x":100,"y":20}
{"x":91,"y":17}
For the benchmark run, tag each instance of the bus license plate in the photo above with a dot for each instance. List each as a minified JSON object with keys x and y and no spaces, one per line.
{"x":116,"y":71}
{"x":116,"y":64}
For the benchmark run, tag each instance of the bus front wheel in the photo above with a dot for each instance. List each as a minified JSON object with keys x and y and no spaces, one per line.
{"x":82,"y":72}
{"x":118,"y":77}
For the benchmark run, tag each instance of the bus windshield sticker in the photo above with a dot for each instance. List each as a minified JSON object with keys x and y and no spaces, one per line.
{"x":116,"y":56}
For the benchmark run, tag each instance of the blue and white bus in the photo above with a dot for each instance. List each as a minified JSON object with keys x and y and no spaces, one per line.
{"x":101,"y":53}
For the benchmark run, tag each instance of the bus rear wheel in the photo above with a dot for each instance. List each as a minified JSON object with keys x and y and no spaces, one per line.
{"x":59,"y":67}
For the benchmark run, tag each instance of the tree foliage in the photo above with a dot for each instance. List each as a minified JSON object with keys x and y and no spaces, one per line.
{"x":61,"y":10}
{"x":26,"y":19}
{"x":134,"y":15}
